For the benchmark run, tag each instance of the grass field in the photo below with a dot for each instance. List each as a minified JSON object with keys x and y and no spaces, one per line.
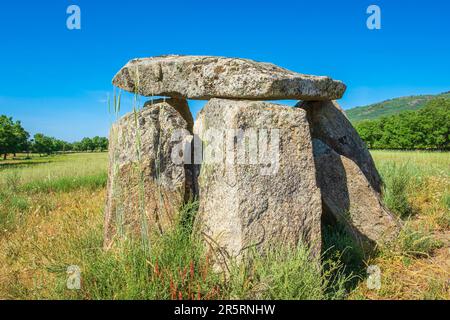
{"x":51,"y":217}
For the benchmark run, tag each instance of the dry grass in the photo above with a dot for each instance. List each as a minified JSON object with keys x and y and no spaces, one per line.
{"x":56,"y":227}
{"x":417,"y":266}
{"x":33,"y":255}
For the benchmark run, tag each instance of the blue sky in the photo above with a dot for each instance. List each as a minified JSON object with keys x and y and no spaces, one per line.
{"x":56,"y":80}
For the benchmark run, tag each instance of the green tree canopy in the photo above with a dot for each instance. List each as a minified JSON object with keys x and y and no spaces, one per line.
{"x":13,"y":137}
{"x":427,"y":128}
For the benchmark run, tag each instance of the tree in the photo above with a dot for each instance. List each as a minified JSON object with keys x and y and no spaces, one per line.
{"x":20,"y":138}
{"x":428,"y":128}
{"x":100,"y":143}
{"x":87,"y":144}
{"x":77,"y":146}
{"x":13,"y":137}
{"x":42,"y":144}
{"x":6,"y":135}
{"x":104,"y":144}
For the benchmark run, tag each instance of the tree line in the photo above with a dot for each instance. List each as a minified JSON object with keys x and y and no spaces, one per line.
{"x":425,"y":129}
{"x":15,"y":139}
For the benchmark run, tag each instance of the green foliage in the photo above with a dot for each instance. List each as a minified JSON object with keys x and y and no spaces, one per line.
{"x":426,"y":129}
{"x":13,"y":137}
{"x":48,"y":145}
{"x":42,"y":144}
{"x":391,"y":107}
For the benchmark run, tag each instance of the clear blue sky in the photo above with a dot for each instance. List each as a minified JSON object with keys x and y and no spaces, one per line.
{"x":56,"y":80}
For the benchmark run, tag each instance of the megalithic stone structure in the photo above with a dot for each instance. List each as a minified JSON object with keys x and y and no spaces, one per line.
{"x":252,"y":194}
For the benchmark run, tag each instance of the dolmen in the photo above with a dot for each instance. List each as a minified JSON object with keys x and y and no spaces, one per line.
{"x":265,"y":174}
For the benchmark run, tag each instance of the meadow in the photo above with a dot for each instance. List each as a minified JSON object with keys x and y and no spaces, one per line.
{"x":51,"y":217}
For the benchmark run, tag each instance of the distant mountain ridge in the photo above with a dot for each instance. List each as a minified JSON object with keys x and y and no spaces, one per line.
{"x":391,"y":106}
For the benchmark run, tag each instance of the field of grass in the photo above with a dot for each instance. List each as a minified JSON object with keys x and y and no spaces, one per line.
{"x":51,"y":217}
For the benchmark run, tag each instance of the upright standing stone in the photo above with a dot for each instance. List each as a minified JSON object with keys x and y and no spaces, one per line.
{"x":330,"y":124}
{"x":206,"y":77}
{"x":257,"y":181}
{"x":350,"y":198}
{"x":347,"y":176}
{"x":145,"y":187}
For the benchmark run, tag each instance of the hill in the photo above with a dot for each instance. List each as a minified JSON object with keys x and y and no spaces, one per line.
{"x":391,"y":107}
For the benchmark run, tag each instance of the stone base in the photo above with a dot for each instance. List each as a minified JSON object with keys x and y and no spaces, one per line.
{"x":260,"y":198}
{"x":145,"y":187}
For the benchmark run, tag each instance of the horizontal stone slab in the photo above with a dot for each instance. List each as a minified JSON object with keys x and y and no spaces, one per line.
{"x":206,"y":77}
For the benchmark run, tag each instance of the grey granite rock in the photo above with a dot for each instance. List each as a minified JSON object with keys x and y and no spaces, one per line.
{"x":349,"y":197}
{"x":329,"y":123}
{"x":206,"y":77}
{"x":265,"y":199}
{"x":145,"y":187}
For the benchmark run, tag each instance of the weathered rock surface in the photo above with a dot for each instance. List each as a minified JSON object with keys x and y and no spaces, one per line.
{"x":349,"y":197}
{"x":145,"y":187}
{"x":329,"y":123}
{"x":263,"y":199}
{"x":206,"y":77}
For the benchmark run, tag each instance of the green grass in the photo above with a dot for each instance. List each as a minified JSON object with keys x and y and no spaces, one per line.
{"x":12,"y":207}
{"x":178,"y":267}
{"x":52,"y":209}
{"x":421,"y":163}
{"x":406,"y":174}
{"x":175,"y":266}
{"x":52,"y":168}
{"x":397,"y":178}
{"x":417,"y":243}
{"x":59,"y":173}
{"x":20,"y":179}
